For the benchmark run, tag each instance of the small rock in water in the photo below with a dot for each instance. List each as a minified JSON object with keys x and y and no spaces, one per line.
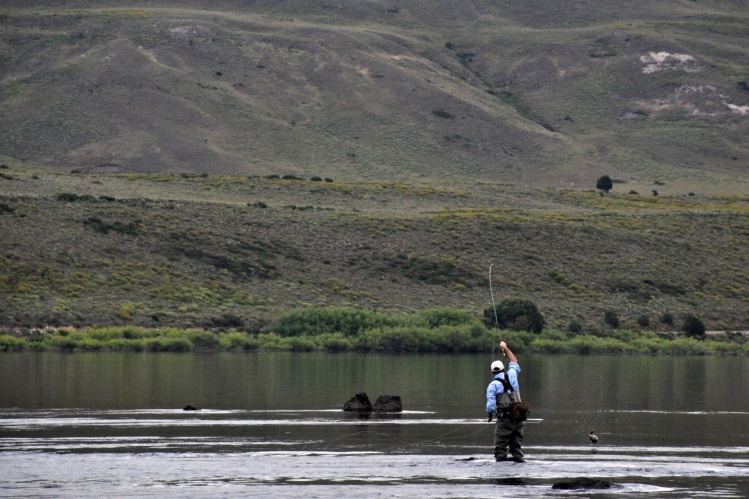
{"x":359,"y":402}
{"x":191,"y":407}
{"x":582,"y":483}
{"x":384,"y":403}
{"x":388,"y":403}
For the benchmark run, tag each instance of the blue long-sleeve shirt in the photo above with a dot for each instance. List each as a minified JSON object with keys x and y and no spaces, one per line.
{"x":496,"y":387}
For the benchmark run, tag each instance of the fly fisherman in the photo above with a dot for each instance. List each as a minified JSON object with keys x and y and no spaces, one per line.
{"x":500,"y":394}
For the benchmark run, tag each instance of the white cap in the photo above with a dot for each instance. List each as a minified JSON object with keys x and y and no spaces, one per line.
{"x":497,"y":366}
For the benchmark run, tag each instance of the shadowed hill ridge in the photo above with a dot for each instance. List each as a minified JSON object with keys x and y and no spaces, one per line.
{"x":497,"y":91}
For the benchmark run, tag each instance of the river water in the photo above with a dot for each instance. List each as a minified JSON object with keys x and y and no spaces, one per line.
{"x":271,"y":424}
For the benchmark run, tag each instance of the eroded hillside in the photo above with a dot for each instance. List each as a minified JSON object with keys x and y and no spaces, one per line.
{"x":498,"y":91}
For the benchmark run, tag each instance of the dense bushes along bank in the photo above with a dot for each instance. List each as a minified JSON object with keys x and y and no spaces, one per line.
{"x":346,"y":329}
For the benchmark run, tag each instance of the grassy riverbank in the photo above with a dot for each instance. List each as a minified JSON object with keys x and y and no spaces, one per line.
{"x":431,"y":331}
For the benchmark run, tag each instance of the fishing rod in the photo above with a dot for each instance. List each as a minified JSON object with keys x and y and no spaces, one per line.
{"x":496,"y":320}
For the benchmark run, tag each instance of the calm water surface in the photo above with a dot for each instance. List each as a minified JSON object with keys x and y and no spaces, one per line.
{"x":112,"y":424}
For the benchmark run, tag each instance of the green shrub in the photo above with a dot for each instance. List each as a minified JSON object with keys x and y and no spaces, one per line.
{"x":10,"y":343}
{"x":587,"y":344}
{"x":66,"y":341}
{"x":202,"y":339}
{"x":316,"y":321}
{"x":121,"y":344}
{"x":344,"y":329}
{"x":560,"y":278}
{"x":611,"y":318}
{"x":67,"y":196}
{"x":335,"y":342}
{"x":515,"y":313}
{"x":693,"y":326}
{"x":604,"y":183}
{"x":555,"y":334}
{"x":433,"y":269}
{"x":683,"y":346}
{"x":89,"y":344}
{"x":300,"y":344}
{"x":443,"y":114}
{"x":725,"y":348}
{"x":236,"y":340}
{"x":225,"y":321}
{"x":126,"y":332}
{"x":667,"y":318}
{"x":518,"y":341}
{"x":269,"y":340}
{"x":167,"y":344}
{"x":404,"y":339}
{"x":98,"y":225}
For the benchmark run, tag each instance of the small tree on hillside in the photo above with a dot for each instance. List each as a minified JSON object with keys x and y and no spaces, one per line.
{"x":611,"y":318}
{"x":516,"y":313}
{"x":667,"y":318}
{"x":604,"y":184}
{"x":693,"y":327}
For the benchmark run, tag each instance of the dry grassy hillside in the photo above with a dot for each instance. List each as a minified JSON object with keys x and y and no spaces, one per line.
{"x":206,"y":250}
{"x":521,"y":92}
{"x":420,"y":141}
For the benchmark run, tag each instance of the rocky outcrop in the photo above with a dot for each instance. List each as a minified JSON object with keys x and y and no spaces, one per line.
{"x":388,"y":403}
{"x":384,"y":403}
{"x":359,"y":403}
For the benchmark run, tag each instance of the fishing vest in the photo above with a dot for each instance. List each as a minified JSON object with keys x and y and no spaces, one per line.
{"x":508,"y":397}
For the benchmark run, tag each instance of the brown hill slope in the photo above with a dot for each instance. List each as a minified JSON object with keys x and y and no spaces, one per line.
{"x":500,"y":91}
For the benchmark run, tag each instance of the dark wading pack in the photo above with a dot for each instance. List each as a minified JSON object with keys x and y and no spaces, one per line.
{"x":509,"y":402}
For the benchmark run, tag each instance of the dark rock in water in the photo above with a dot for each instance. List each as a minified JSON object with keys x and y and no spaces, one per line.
{"x":582,"y":483}
{"x":191,"y":407}
{"x":388,"y":403}
{"x":359,"y":402}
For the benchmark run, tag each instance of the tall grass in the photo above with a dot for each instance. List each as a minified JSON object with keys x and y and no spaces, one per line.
{"x":349,"y":329}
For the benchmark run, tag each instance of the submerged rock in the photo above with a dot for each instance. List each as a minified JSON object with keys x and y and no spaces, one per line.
{"x":582,"y":483}
{"x":388,"y":403}
{"x":359,"y":402}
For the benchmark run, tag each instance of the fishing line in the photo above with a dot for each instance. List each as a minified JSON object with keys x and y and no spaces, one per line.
{"x":494,"y":307}
{"x":442,"y":437}
{"x":404,"y":442}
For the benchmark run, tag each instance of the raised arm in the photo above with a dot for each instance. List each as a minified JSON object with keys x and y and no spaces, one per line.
{"x":507,"y":351}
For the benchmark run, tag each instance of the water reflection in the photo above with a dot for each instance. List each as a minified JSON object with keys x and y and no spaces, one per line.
{"x":366,"y":416}
{"x":661,"y":420}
